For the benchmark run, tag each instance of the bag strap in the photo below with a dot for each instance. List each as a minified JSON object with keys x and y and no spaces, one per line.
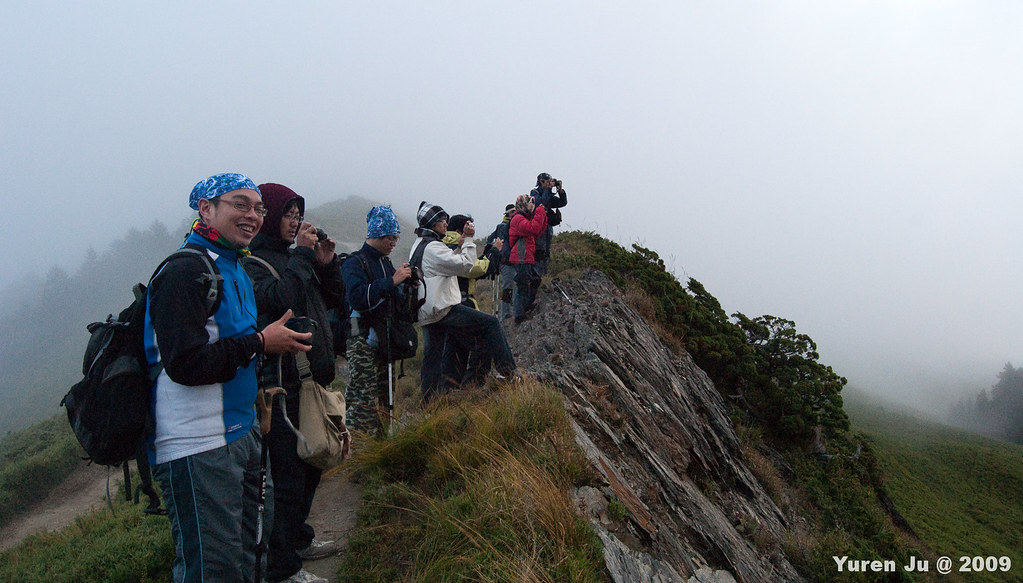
{"x":356,"y":328}
{"x":265,"y":264}
{"x":305,"y":373}
{"x":416,"y":261}
{"x":212,"y":275}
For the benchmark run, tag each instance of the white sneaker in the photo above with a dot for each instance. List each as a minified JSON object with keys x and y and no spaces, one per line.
{"x":304,"y":576}
{"x":319,"y":549}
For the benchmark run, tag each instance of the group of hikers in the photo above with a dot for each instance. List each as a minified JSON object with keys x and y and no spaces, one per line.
{"x":282,"y":284}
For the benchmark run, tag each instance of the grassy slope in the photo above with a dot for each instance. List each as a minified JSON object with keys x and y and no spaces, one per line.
{"x":961,"y":493}
{"x":475,"y":491}
{"x":32,"y":462}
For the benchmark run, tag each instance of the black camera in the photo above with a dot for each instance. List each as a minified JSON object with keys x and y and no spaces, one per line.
{"x":302,"y":324}
{"x":416,"y":277}
{"x":557,"y":183}
{"x":321,"y":235}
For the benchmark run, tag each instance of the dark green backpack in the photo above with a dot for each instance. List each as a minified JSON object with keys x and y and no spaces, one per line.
{"x":109,"y":409}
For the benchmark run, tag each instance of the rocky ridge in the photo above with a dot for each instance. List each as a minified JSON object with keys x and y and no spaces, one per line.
{"x":657,"y":431}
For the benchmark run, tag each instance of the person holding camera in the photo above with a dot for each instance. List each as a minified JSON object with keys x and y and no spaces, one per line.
{"x":442,"y":317}
{"x":305,"y":279}
{"x":486,"y":266}
{"x":372,"y":284}
{"x":528,"y":224}
{"x":507,"y":269}
{"x":206,"y":446}
{"x":549,"y":194}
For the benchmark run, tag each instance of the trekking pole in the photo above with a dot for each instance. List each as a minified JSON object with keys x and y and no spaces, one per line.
{"x":497,"y":300}
{"x":390,"y":380}
{"x":263,"y":454}
{"x":562,"y":292}
{"x":261,"y":508}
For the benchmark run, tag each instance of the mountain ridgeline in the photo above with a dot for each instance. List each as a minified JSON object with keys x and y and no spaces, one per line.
{"x":716,"y":447}
{"x":44,"y":318}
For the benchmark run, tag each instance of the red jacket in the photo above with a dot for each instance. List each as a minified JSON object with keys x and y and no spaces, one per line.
{"x":522,"y":234}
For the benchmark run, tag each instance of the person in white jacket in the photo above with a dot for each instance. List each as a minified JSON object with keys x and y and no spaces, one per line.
{"x":442,"y":317}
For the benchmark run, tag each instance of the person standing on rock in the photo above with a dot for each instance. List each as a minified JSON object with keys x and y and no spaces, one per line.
{"x":528,"y":225}
{"x":549,"y":194}
{"x":205,"y":450}
{"x":306,"y":279}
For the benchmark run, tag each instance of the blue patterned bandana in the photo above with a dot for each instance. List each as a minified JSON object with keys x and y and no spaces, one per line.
{"x":219,"y":184}
{"x":381,"y":222}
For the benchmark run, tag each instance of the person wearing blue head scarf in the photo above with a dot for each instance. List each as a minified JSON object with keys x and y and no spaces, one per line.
{"x":205,"y":450}
{"x":371,"y":282}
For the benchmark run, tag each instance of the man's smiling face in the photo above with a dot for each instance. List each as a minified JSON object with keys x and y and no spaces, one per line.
{"x":225,"y":214}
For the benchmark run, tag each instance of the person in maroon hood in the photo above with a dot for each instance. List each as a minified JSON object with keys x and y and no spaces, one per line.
{"x":308,"y":281}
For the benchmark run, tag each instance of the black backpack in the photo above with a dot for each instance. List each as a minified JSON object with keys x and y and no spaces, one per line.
{"x":109,"y":409}
{"x":338,"y":318}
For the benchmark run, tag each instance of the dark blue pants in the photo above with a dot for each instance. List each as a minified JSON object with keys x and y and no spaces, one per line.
{"x":211,"y":500}
{"x":464,"y":330}
{"x":295,"y":485}
{"x":527,"y":282}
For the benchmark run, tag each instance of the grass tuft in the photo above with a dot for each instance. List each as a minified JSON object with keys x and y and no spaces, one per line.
{"x":476,"y":490}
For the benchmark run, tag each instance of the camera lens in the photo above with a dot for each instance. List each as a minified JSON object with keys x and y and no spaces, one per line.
{"x":321,"y":235}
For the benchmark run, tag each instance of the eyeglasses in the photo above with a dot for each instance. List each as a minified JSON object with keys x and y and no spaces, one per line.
{"x":392,"y":238}
{"x":294,"y":218}
{"x":245,"y":207}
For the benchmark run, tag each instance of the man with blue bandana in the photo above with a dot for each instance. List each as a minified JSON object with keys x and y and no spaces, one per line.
{"x":205,"y":448}
{"x":371,"y":281}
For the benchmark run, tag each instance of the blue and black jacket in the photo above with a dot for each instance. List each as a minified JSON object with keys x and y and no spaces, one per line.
{"x":205,"y":394}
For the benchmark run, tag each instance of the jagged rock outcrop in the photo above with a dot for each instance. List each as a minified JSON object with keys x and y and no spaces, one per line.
{"x":657,"y":430}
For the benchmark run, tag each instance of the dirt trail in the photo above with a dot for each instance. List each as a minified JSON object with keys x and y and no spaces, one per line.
{"x":85,"y":488}
{"x":332,"y":515}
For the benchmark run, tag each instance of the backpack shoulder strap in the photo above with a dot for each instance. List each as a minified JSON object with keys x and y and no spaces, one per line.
{"x":265,"y":264}
{"x":416,"y":261}
{"x":212,"y":275}
{"x":362,"y":261}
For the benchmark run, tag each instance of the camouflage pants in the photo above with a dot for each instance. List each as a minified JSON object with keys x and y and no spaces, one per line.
{"x":366,"y":395}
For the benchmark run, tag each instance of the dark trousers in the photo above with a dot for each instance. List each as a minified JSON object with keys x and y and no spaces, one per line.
{"x":212,"y":499}
{"x":459,"y":333}
{"x":527,"y":282}
{"x":295,"y":485}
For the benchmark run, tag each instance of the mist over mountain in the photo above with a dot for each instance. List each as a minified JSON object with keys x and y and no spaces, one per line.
{"x":43,"y":322}
{"x":997,"y":412}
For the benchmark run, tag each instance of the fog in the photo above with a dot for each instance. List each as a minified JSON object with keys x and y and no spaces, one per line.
{"x":851,"y":166}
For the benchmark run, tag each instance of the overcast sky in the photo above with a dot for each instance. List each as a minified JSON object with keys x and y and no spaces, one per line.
{"x":852,"y":166}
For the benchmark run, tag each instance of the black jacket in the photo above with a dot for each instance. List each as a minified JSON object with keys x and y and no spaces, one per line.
{"x":370,"y":288}
{"x":309,"y":289}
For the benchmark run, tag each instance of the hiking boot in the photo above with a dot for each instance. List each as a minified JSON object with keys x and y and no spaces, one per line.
{"x":304,"y":576}
{"x":318,"y":549}
{"x":511,"y":377}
